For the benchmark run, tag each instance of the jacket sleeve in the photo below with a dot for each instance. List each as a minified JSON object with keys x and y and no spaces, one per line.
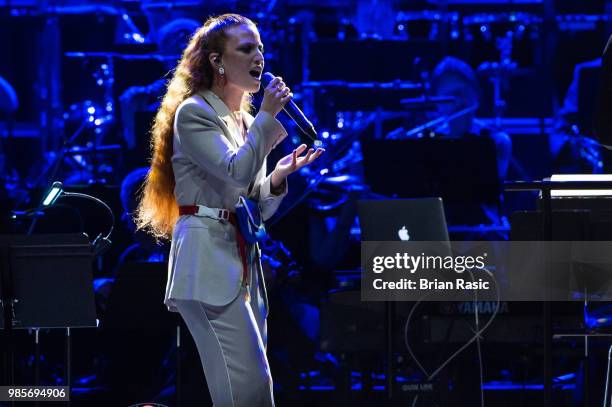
{"x":202,"y":140}
{"x":268,"y":201}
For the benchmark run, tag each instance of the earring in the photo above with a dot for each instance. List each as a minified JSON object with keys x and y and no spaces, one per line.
{"x":221,"y":71}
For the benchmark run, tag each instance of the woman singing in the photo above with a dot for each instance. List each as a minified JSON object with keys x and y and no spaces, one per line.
{"x":207,"y":151}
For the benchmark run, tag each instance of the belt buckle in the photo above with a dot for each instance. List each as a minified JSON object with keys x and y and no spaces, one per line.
{"x":224,"y":214}
{"x":201,"y":210}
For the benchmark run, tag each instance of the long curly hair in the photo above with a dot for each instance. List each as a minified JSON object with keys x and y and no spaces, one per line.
{"x":157,"y":210}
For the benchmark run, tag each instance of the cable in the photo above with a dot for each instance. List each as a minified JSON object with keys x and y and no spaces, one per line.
{"x":93,"y":198}
{"x":478,"y":346}
{"x":416,"y":360}
{"x":606,"y":394}
{"x":100,"y":244}
{"x":462,"y":348}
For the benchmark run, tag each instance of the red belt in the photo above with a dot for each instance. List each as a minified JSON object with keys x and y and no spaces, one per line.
{"x":231,"y":218}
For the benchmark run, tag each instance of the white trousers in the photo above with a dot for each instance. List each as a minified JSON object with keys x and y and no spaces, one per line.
{"x":231,"y":341}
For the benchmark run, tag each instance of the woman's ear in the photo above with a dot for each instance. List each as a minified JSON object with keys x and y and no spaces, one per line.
{"x":215,"y":59}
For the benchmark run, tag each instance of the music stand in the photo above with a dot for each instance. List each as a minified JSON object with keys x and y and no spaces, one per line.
{"x":46,"y":281}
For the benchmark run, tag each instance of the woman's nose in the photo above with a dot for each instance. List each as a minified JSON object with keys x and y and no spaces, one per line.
{"x":259,"y":59}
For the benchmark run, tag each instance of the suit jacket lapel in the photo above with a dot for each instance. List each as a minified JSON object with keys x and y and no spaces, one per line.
{"x":234,"y":134}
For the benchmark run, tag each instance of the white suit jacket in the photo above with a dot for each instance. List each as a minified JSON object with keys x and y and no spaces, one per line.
{"x":213,"y":166}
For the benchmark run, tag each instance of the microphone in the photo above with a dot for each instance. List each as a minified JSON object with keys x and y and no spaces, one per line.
{"x":298,"y":117}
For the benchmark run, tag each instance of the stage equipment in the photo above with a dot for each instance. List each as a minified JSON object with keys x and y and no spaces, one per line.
{"x":481,"y":33}
{"x":45,"y":282}
{"x":430,"y":126}
{"x":428,"y":24}
{"x":343,"y":314}
{"x":96,"y":117}
{"x":100,"y":244}
{"x":381,"y":220}
{"x":341,"y":97}
{"x":498,"y":72}
{"x":52,"y":194}
{"x":579,"y":215}
{"x":427,"y":102}
{"x":581,"y":22}
{"x":547,"y":232}
{"x":582,"y":193}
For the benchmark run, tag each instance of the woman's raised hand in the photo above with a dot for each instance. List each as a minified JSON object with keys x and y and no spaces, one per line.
{"x":276,"y":95}
{"x":293,"y":162}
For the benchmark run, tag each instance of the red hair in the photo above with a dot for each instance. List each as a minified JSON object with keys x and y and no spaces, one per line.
{"x":157,"y":210}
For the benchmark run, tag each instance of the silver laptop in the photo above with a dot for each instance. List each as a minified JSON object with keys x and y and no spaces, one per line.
{"x":418,"y":219}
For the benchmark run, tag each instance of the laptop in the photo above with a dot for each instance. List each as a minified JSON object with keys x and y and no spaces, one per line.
{"x":418,"y":219}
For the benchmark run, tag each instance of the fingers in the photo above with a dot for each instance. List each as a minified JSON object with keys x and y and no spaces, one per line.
{"x":274,"y":83}
{"x":278,"y":87}
{"x":301,"y":148}
{"x":310,"y":156}
{"x":276,"y":95}
{"x":284,"y":93}
{"x":316,"y":154}
{"x":286,"y":98}
{"x":298,"y":162}
{"x":296,"y":153}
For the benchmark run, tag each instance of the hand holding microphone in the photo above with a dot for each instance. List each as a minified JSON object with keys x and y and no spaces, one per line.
{"x":278,"y":96}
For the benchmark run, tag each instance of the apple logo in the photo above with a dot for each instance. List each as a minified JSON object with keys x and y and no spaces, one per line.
{"x":403,"y":233}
